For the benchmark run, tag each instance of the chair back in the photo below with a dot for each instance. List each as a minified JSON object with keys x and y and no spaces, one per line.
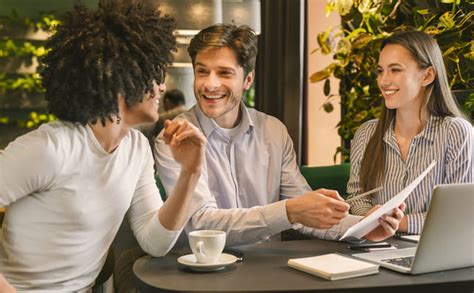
{"x":330,"y":177}
{"x":105,"y":273}
{"x":160,"y":186}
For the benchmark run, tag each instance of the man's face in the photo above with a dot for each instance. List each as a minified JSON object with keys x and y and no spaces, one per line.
{"x":219,"y":83}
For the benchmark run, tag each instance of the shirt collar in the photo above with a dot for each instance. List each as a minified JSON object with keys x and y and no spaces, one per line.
{"x":208,"y":125}
{"x":389,"y":137}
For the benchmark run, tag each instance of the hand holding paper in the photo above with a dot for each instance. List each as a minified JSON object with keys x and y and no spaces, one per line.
{"x":371,"y":221}
{"x":389,"y":224}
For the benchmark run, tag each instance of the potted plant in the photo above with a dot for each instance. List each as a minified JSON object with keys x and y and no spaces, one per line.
{"x":355,"y":46}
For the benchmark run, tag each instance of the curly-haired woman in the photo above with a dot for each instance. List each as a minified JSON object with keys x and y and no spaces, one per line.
{"x":68,"y":184}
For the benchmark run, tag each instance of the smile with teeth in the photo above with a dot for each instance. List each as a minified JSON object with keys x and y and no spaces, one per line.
{"x":213,"y":97}
{"x":389,"y":92}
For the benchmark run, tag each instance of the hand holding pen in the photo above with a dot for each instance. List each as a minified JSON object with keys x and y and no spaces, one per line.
{"x":364,"y":194}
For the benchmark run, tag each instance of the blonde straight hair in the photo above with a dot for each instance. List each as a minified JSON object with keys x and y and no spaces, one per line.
{"x":438,"y":101}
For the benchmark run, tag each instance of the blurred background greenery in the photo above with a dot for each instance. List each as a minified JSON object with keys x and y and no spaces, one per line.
{"x":24,"y":27}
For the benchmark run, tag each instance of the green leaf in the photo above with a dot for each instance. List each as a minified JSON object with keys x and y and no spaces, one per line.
{"x":447,"y":20}
{"x":343,"y":47}
{"x":344,"y":6}
{"x":315,"y":50}
{"x":364,"y":6}
{"x":365,"y":89}
{"x":328,"y":107}
{"x":423,"y":11}
{"x":330,"y":7}
{"x":360,"y":116}
{"x":320,"y":75}
{"x":432,"y":30}
{"x":362,"y":40}
{"x":339,"y":72}
{"x":323,"y":74}
{"x":449,"y":51}
{"x":373,"y":23}
{"x":324,"y":42}
{"x":356,"y":33}
{"x":377,"y":111}
{"x":469,"y":103}
{"x":327,"y":87}
{"x":451,"y":1}
{"x":470,"y":56}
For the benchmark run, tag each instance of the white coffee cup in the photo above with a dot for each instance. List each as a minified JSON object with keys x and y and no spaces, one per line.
{"x":207,"y":245}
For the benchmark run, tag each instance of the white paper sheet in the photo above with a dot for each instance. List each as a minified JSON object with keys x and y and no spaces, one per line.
{"x":371,"y":221}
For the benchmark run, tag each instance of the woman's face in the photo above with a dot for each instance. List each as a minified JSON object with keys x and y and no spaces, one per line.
{"x":400,"y":79}
{"x":145,"y":111}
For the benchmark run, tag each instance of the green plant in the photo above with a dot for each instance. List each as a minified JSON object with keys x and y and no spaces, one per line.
{"x":356,"y":44}
{"x":34,"y":119}
{"x":20,"y":48}
{"x":249,"y":97}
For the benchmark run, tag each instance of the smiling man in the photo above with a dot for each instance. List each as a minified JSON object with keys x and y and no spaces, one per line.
{"x":251,"y":185}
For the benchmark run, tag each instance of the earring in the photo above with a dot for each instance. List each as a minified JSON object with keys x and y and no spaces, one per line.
{"x":118,"y":119}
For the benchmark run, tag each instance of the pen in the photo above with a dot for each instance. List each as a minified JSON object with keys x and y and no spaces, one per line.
{"x":364,"y":194}
{"x":375,"y":245}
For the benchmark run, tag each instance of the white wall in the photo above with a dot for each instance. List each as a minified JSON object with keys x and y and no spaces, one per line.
{"x":322,"y":139}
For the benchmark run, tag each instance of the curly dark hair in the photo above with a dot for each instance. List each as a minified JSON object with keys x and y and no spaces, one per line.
{"x":241,"y":39}
{"x":119,"y":48}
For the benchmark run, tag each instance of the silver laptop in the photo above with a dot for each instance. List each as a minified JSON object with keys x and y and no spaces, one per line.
{"x":447,"y":240}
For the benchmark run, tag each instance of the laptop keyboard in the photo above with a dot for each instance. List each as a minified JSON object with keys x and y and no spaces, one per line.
{"x":401,"y":261}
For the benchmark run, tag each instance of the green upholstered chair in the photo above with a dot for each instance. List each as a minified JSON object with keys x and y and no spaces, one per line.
{"x":330,"y":177}
{"x":160,"y":187}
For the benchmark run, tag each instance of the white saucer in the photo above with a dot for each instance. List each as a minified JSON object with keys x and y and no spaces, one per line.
{"x":190,"y":261}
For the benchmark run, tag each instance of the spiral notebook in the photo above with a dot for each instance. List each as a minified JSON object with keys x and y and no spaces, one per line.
{"x":333,"y":266}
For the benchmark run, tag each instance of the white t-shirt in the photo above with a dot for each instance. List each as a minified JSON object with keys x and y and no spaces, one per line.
{"x":66,"y":197}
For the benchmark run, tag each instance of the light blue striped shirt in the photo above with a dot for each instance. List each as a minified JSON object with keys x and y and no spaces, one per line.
{"x":246,"y":178}
{"x":447,"y":140}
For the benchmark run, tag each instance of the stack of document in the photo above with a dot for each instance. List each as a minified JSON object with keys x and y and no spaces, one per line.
{"x":333,"y":266}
